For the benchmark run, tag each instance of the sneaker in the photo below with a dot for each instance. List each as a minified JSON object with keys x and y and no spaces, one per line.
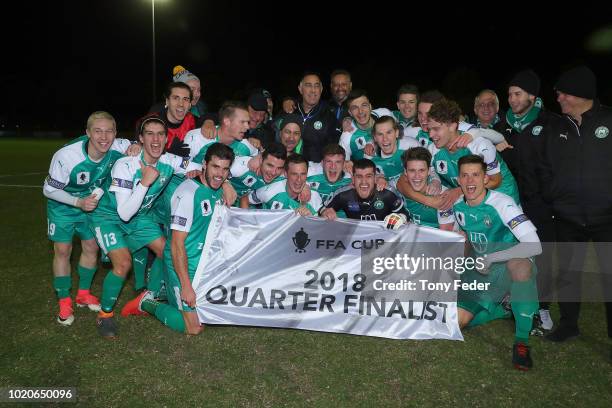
{"x":521,"y":357}
{"x":547,"y":321}
{"x":133,"y":306}
{"x":65,"y":316}
{"x":86,"y":299}
{"x":107,"y":327}
{"x":563,"y":333}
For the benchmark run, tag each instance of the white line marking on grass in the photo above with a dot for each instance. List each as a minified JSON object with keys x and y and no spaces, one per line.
{"x":19,"y":185}
{"x":24,"y":174}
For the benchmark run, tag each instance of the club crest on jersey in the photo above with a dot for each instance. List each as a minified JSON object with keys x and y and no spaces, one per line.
{"x":82,"y":177}
{"x":487,"y":221}
{"x":206,"y":207}
{"x":276,"y":205}
{"x":602,"y":132}
{"x":379,"y":205}
{"x":318,"y":125}
{"x":314,"y":184}
{"x":460,"y":218}
{"x":360,"y":142}
{"x":441,"y":167}
{"x":536,"y":130}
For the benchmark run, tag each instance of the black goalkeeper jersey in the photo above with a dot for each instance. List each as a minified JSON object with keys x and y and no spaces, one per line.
{"x":376,"y":207}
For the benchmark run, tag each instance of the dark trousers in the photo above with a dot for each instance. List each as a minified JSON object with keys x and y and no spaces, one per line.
{"x":571,"y":263}
{"x":546,"y":233}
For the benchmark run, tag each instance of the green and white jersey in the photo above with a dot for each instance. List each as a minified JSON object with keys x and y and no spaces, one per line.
{"x":389,"y":166}
{"x":74,"y":172}
{"x":318,"y":182}
{"x":243,"y":179}
{"x":446,"y":165}
{"x":275,"y":197}
{"x":428,"y":216}
{"x":192,"y":207}
{"x":403,"y":122}
{"x":198,"y":146}
{"x":496,"y":224}
{"x":354,"y":142}
{"x":126,"y":174}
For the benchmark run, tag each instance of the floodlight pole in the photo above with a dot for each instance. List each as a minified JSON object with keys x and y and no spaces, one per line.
{"x":153,"y":42}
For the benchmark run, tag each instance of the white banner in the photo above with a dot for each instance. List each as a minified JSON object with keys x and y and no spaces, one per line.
{"x":277,"y":269}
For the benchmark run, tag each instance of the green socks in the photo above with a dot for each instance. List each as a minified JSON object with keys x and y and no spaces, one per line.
{"x":486,"y":316}
{"x":86,"y":276}
{"x":139,"y":264}
{"x":524,"y":302}
{"x":168,"y":315}
{"x":110,"y":291}
{"x":156,"y":276}
{"x":62,"y":285}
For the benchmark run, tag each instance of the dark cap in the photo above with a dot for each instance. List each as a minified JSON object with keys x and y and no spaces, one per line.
{"x":579,"y":81}
{"x":291,"y":118}
{"x":258,"y":101}
{"x":528,"y":81}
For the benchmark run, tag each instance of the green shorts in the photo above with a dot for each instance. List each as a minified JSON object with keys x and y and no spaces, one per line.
{"x":476,"y":300}
{"x":173,"y":288}
{"x":141,"y":231}
{"x":134,"y":235}
{"x":63,"y":230}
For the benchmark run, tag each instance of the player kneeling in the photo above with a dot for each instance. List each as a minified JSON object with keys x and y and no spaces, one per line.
{"x":192,"y":207}
{"x":503,"y":236}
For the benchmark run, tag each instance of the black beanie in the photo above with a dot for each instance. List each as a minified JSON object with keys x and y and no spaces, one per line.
{"x":291,"y":118}
{"x":579,"y":81}
{"x":528,"y":81}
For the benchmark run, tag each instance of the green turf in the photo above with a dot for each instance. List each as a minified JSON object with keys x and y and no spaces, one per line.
{"x":148,"y":365}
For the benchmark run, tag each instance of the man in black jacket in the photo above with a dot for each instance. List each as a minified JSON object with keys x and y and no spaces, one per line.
{"x":319,"y":124}
{"x":577,"y":173}
{"x":524,"y":126}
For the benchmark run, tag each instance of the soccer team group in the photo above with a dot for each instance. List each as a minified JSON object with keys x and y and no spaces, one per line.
{"x":145,"y":205}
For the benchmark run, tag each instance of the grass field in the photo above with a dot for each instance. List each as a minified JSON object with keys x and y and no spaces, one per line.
{"x":149,"y":365}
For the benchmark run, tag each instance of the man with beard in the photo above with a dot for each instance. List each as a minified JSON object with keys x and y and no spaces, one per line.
{"x":340,"y":86}
{"x":193,"y":205}
{"x":361,"y":200}
{"x":525,"y":127}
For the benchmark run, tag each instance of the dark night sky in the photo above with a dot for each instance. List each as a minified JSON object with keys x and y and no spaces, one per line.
{"x":65,"y":59}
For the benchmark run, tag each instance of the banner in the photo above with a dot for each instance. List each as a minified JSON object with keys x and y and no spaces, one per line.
{"x":277,"y":269}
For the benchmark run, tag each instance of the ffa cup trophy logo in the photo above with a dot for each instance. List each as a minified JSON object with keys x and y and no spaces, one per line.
{"x":301,"y":241}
